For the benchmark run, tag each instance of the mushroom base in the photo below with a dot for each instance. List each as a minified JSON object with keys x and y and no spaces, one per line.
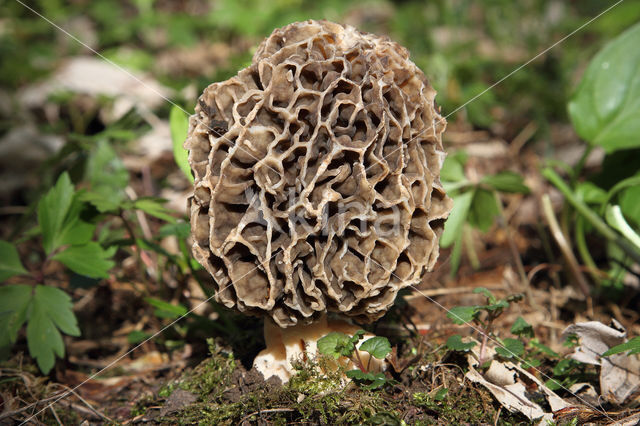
{"x":286,"y":345}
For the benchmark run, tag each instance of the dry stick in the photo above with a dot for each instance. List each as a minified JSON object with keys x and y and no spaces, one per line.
{"x":557,"y":234}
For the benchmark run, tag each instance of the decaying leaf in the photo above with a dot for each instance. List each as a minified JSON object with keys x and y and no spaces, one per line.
{"x":515,"y":388}
{"x":620,"y":373}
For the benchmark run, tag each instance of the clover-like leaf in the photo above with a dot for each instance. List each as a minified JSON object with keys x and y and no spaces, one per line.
{"x":378,"y":347}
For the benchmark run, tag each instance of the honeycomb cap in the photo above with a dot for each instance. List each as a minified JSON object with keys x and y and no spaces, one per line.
{"x":317,"y":176}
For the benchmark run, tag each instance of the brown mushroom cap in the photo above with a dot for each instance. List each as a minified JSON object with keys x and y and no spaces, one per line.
{"x":317,"y":176}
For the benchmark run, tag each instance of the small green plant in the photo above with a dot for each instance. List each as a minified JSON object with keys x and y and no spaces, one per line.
{"x":336,"y":345}
{"x":632,"y":346}
{"x":476,"y":204}
{"x":604,"y":112}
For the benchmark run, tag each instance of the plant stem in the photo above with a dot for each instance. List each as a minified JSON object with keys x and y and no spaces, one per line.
{"x":592,"y":217}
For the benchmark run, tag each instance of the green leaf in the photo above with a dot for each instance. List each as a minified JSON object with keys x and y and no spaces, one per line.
{"x":52,"y":210}
{"x":10,"y":264}
{"x":455,"y":223}
{"x":179,"y":124}
{"x":335,"y":344}
{"x":512,"y":348}
{"x":484,"y":209}
{"x":441,"y":394}
{"x":453,"y":167}
{"x":633,"y":346}
{"x":590,"y":193}
{"x":455,"y":343}
{"x":462,"y":314}
{"x":507,"y":181}
{"x":182,"y":230}
{"x":107,"y":176}
{"x":377,"y":347}
{"x":367,"y":380}
{"x":14,"y":300}
{"x":522,"y":328}
{"x":58,"y":307}
{"x":155,"y":208}
{"x":543,"y":348}
{"x":486,"y":293}
{"x":137,"y":336}
{"x":629,"y":203}
{"x":90,"y":259}
{"x":165,"y":309}
{"x":50,"y":309}
{"x":606,"y":105}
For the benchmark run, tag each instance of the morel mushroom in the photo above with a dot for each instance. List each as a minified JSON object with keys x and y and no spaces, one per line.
{"x":317,"y":177}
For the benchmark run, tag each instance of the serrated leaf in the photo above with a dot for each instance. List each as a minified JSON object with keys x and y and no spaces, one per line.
{"x":166,"y":309}
{"x":14,"y":301}
{"x":455,"y":223}
{"x":155,"y":208}
{"x":483,"y":210}
{"x":378,"y":347}
{"x":507,"y":181}
{"x":52,"y":210}
{"x":606,"y":105}
{"x":455,"y":343}
{"x":10,"y":264}
{"x":179,"y":124}
{"x":522,"y":328}
{"x":512,"y":348}
{"x":58,"y":307}
{"x":90,"y":259}
{"x":462,"y":314}
{"x":633,"y":346}
{"x":50,"y":309}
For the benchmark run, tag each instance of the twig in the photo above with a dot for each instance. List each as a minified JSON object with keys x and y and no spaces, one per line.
{"x":55,"y":415}
{"x":547,"y":210}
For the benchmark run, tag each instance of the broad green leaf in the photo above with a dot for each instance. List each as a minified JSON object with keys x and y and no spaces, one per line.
{"x":89,"y":259}
{"x":137,"y":336}
{"x":441,"y":394}
{"x":155,"y":208}
{"x":179,"y":124}
{"x":500,"y":304}
{"x":454,"y":225}
{"x":166,"y":309}
{"x":506,"y":181}
{"x":51,"y":311}
{"x":462,"y":314}
{"x":633,"y":346}
{"x":10,"y":264}
{"x":334,"y":344}
{"x":483,"y":210}
{"x":606,"y":105}
{"x":455,"y":343}
{"x":522,"y":328}
{"x":629,"y":204}
{"x":74,"y":230}
{"x":14,"y":300}
{"x":58,"y":307}
{"x":543,"y":348}
{"x":377,"y":347}
{"x":52,"y":210}
{"x":367,"y":380}
{"x":512,"y":348}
